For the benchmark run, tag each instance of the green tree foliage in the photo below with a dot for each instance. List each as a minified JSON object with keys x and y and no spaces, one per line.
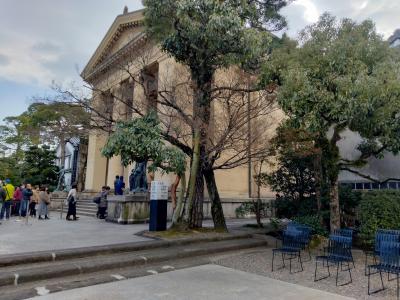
{"x":207,"y":35}
{"x":379,"y":210}
{"x":342,"y":75}
{"x":39,"y":167}
{"x":139,"y":140}
{"x":293,"y":175}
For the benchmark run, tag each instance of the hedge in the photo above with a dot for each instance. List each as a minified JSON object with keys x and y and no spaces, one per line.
{"x":378,"y":210}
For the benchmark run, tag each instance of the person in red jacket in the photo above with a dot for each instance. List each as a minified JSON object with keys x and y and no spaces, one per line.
{"x":17,"y":197}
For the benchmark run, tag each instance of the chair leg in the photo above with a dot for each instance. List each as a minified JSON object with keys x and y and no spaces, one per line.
{"x":290,"y":265}
{"x":351,"y":279}
{"x":301,"y":263}
{"x":337,"y":273}
{"x":273,"y":256}
{"x":369,"y":275}
{"x":283,"y":260}
{"x":315,"y":272}
{"x":380,"y":274}
{"x":369,"y":284}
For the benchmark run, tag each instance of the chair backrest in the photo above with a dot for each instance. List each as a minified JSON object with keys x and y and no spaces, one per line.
{"x":292,"y":239}
{"x":347,"y":232}
{"x":293,"y":225}
{"x":340,"y":247}
{"x":387,"y":235}
{"x":389,"y":254}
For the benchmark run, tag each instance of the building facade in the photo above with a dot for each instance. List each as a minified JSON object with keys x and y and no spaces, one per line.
{"x":127,"y":73}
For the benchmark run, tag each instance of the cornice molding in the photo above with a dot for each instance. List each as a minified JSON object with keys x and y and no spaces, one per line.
{"x":122,"y":23}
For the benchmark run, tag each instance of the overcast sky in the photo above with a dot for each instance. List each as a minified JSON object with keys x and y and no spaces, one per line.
{"x":46,"y":40}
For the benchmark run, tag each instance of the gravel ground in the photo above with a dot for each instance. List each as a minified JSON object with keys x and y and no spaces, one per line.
{"x":259,"y":262}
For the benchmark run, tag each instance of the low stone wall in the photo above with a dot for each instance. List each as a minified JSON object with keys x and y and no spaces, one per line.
{"x":128,"y":209}
{"x":57,"y":199}
{"x":131,"y":209}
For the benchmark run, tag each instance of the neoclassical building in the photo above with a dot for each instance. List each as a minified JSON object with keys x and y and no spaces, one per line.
{"x":128,"y":73}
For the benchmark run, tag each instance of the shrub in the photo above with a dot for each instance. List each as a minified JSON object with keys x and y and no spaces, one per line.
{"x":250,"y":208}
{"x":314,"y":221}
{"x":378,"y":210}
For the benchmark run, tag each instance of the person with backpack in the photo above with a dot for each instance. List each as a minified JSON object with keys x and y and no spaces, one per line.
{"x":6,"y":208}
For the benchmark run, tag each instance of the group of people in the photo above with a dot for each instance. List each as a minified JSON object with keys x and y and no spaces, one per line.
{"x":23,"y":200}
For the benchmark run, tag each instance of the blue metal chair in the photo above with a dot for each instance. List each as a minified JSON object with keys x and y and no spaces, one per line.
{"x":389,"y":262}
{"x":381,"y":235}
{"x":338,"y":252}
{"x":346,"y":232}
{"x":305,"y":237}
{"x":291,"y":248}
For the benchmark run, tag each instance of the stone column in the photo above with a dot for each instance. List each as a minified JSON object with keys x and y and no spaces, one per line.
{"x":96,"y":163}
{"x":114,"y":164}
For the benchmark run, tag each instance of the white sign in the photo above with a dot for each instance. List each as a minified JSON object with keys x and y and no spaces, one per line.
{"x":159,"y":191}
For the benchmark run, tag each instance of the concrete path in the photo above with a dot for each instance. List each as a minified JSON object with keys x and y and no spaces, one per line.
{"x":55,"y":234}
{"x":209,"y":282}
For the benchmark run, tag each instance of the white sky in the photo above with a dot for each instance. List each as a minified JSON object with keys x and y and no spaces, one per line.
{"x":46,"y":40}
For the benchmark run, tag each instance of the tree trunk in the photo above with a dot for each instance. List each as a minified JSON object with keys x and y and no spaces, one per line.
{"x":334,"y":205}
{"x":194,"y":170}
{"x":216,"y":206}
{"x":177,"y":217}
{"x":258,"y":207}
{"x":318,"y":180}
{"x":83,"y":154}
{"x":196,"y":219}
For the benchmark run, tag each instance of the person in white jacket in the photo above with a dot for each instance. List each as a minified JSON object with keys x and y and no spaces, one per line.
{"x":71,"y":199}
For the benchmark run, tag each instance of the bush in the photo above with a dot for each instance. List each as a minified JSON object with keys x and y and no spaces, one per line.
{"x":314,"y":221}
{"x":378,"y":210}
{"x":250,"y":208}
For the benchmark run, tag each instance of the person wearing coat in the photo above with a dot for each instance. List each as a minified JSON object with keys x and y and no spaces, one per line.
{"x":34,"y":201}
{"x":17,"y":200}
{"x":71,"y":199}
{"x":26,"y":198}
{"x":103,"y":202}
{"x":44,"y":201}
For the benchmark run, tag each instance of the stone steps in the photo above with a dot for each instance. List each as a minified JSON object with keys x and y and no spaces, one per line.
{"x":23,"y":270}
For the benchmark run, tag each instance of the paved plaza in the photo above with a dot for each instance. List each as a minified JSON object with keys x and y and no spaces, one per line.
{"x":56,"y":233}
{"x":198,"y":283}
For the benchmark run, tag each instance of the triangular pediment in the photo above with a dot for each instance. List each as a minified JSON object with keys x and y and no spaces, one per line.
{"x":125,"y":28}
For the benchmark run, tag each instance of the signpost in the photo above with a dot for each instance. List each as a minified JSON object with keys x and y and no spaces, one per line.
{"x":158,"y":206}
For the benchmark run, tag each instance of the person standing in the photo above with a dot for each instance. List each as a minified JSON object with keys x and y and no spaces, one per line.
{"x":103,"y":202}
{"x":26,"y":199}
{"x":116,"y":184}
{"x":34,"y":202}
{"x":44,"y":201}
{"x":6,"y":209}
{"x":17,"y":200}
{"x":71,"y":199}
{"x":120,"y":186}
{"x":2,"y":198}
